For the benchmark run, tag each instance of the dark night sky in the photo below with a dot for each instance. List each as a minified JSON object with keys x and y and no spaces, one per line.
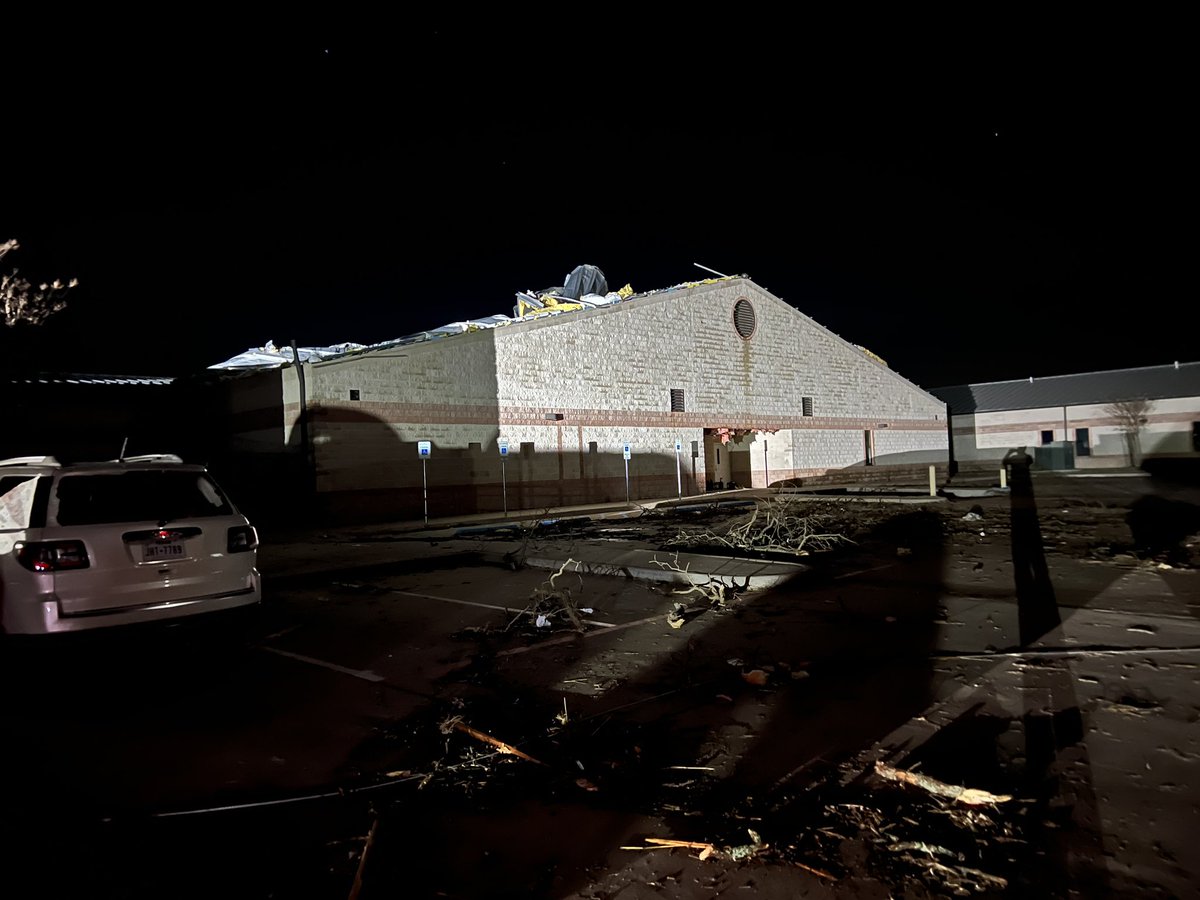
{"x":969,"y":208}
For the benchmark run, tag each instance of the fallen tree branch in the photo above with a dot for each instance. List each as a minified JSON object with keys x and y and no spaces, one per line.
{"x":549,"y":600}
{"x":956,"y":874}
{"x":821,"y":873}
{"x":356,"y":887}
{"x":706,"y":850}
{"x":715,"y":591}
{"x":775,"y":526}
{"x":457,"y":724}
{"x":957,"y":793}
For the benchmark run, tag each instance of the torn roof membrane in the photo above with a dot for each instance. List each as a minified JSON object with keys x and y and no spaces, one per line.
{"x":270,"y":356}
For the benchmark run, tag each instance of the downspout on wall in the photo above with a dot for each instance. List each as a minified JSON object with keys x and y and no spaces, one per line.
{"x":305,"y":438}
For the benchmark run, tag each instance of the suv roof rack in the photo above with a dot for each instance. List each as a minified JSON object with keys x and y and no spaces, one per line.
{"x":150,"y":458}
{"x":30,"y":461}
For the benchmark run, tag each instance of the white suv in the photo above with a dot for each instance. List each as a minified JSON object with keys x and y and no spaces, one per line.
{"x":134,"y":540}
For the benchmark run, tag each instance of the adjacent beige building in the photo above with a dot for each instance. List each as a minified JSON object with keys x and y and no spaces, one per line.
{"x":1091,"y":420}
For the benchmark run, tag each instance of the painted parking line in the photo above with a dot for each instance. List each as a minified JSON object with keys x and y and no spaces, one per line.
{"x":568,"y":638}
{"x":279,"y":634}
{"x":507,"y":609}
{"x":333,"y":667}
{"x":863,"y":571}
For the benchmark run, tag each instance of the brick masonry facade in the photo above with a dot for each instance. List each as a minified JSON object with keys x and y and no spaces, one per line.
{"x":568,"y":391}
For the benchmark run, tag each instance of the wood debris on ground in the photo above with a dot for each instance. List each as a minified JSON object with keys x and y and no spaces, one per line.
{"x":957,"y":793}
{"x":456,"y":723}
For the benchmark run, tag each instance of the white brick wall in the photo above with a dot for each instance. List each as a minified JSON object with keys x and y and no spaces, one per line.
{"x":608,"y":373}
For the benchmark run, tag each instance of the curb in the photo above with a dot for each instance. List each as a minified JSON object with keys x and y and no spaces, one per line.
{"x":670,"y":576}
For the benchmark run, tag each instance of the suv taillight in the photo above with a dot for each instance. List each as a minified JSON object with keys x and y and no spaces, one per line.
{"x":51,"y":556}
{"x":242,"y":538}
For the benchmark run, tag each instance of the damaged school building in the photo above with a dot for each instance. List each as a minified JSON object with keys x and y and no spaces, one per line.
{"x":752,"y":391}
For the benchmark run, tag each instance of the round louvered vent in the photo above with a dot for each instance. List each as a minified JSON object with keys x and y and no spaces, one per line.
{"x":743,"y":319}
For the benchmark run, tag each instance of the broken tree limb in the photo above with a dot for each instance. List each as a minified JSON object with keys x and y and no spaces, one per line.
{"x":457,"y":724}
{"x":716,"y":591}
{"x":549,"y":600}
{"x":356,"y":887}
{"x":776,"y":526}
{"x":820,"y":873}
{"x":706,"y":849}
{"x":957,"y":793}
{"x":956,"y":874}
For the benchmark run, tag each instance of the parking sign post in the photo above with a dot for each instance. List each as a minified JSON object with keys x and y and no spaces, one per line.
{"x":503,"y":445}
{"x":678,"y":468}
{"x":627,"y":454}
{"x":423,"y":448}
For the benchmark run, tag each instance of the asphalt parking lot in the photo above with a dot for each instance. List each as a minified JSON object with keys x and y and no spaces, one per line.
{"x":258,"y":754}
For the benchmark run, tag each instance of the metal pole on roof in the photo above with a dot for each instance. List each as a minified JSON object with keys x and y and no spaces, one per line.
{"x":707,"y":269}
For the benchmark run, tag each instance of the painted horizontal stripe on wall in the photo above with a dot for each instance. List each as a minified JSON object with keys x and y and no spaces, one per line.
{"x":1183,"y":418}
{"x":454,"y":414}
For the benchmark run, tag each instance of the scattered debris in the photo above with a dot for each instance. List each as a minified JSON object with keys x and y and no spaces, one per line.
{"x":745,"y":851}
{"x":965,"y":879}
{"x":718,"y":593}
{"x":957,"y":793}
{"x":756,"y":677}
{"x":455,"y":723}
{"x":356,"y":887}
{"x":820,"y":873}
{"x":551,"y":602}
{"x":515,"y":559}
{"x":675,"y":617}
{"x":906,"y":551}
{"x":706,"y":849}
{"x":586,"y":785}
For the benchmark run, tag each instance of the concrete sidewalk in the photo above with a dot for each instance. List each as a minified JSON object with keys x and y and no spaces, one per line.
{"x":672,"y":568}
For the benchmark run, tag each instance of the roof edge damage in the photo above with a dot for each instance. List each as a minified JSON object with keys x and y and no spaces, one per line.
{"x":531,"y":306}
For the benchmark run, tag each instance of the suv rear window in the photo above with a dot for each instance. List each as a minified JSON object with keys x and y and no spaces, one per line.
{"x":16,"y":501}
{"x":142,"y":496}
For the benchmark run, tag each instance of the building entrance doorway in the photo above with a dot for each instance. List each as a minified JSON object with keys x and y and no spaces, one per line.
{"x":726,"y":465}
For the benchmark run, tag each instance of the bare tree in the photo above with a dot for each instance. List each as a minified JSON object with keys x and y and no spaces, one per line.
{"x":1131,"y":416}
{"x":22,"y":301}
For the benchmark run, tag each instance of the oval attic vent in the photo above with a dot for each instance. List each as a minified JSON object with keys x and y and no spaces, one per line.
{"x":743,"y":318}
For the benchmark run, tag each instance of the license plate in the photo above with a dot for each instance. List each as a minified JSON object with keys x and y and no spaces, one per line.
{"x":166,"y":550}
